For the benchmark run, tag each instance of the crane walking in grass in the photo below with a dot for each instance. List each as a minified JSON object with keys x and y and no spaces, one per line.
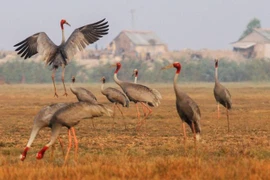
{"x":138,"y":93}
{"x":59,"y":56}
{"x":135,"y":74}
{"x":69,"y":116}
{"x":41,"y":120}
{"x":222,"y":95}
{"x":187,"y":109}
{"x":115,"y":96}
{"x":82,"y":94}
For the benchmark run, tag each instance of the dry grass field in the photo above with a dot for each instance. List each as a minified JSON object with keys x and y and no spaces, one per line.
{"x":155,"y":152}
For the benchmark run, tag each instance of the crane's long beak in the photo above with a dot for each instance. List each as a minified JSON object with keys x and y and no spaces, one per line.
{"x":67,"y":23}
{"x":167,"y":67}
{"x":113,"y":65}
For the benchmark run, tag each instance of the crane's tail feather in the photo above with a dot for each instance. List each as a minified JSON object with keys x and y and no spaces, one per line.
{"x":157,"y":94}
{"x":157,"y":98}
{"x":105,"y":110}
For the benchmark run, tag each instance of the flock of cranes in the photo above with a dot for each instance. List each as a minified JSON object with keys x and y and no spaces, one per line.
{"x":68,"y":115}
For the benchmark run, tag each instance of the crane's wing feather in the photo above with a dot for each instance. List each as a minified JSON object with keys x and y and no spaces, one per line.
{"x":188,"y":110}
{"x":71,"y":114}
{"x":141,"y":93}
{"x":84,"y":95}
{"x":85,"y":35}
{"x":37,"y":43}
{"x":115,"y":95}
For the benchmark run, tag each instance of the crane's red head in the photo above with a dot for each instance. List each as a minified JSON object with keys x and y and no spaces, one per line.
{"x":176,"y":65}
{"x":118,"y":66}
{"x":62,"y":22}
{"x":135,"y":72}
{"x":216,"y":63}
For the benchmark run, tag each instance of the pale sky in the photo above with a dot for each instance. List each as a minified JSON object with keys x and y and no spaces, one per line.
{"x":194,"y":24}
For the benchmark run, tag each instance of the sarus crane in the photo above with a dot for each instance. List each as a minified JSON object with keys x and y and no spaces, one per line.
{"x":42,"y":120}
{"x":222,"y":95}
{"x":59,"y":56}
{"x":115,"y":96}
{"x":82,"y":94}
{"x":187,"y":109}
{"x":135,"y":74}
{"x":69,"y":116}
{"x":138,"y":93}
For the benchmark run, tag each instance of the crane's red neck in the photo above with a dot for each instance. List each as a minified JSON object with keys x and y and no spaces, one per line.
{"x":118,"y":66}
{"x":177,"y":65}
{"x":136,"y":73}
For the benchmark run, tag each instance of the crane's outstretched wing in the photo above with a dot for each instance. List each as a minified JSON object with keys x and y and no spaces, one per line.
{"x":37,"y":43}
{"x":85,"y":35}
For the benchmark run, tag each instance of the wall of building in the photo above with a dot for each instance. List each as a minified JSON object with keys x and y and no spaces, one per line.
{"x":267,"y":50}
{"x":122,"y":44}
{"x":153,"y":50}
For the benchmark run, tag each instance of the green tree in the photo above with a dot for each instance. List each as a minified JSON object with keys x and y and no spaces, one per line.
{"x":253,"y":23}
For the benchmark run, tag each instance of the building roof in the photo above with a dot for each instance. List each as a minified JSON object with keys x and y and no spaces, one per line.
{"x":243,"y":45}
{"x":264,"y":32}
{"x":146,"y":38}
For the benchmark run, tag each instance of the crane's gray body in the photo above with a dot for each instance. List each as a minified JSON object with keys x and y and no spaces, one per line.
{"x":116,"y":96}
{"x":188,"y":110}
{"x":84,"y":95}
{"x":222,"y":95}
{"x":141,"y":93}
{"x":43,"y":118}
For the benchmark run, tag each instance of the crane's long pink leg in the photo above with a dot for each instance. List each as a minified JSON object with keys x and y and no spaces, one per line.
{"x":122,"y":115}
{"x":228,"y":118}
{"x":139,"y":119}
{"x":144,"y":113}
{"x":75,"y":143}
{"x":63,"y":79}
{"x":53,"y":75}
{"x":149,"y":110}
{"x":69,"y":145}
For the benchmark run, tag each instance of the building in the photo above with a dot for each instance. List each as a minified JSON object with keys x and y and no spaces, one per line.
{"x":137,"y":44}
{"x":254,"y":45}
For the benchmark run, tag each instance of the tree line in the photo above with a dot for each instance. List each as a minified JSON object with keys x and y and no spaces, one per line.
{"x":19,"y":71}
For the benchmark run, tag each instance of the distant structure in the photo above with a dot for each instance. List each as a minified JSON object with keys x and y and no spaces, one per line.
{"x":254,"y":45}
{"x":137,"y":44}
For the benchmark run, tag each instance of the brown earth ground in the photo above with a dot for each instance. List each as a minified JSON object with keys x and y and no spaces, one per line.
{"x":156,"y":151}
